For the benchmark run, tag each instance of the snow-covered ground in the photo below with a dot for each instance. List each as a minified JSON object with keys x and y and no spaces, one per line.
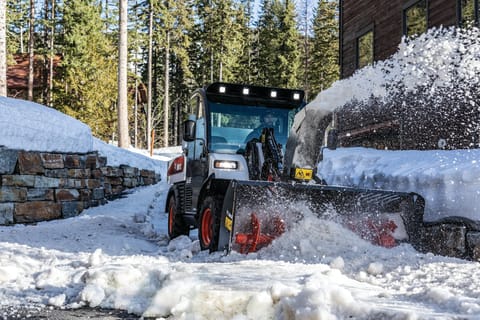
{"x":119,"y":256}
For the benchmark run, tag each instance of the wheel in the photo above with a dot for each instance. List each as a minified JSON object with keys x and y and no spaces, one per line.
{"x":176,"y":225}
{"x":209,"y":223}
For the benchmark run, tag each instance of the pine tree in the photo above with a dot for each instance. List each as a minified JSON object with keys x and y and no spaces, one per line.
{"x":246,"y":69}
{"x":181,"y":76}
{"x":266,"y":43}
{"x":289,"y":53}
{"x":88,"y":78}
{"x":31,"y":48}
{"x":17,"y":25}
{"x":278,"y":53}
{"x":324,"y":68}
{"x":218,"y":41}
{"x":304,"y":44}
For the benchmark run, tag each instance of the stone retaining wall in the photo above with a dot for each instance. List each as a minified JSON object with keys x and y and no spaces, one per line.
{"x":39,"y":186}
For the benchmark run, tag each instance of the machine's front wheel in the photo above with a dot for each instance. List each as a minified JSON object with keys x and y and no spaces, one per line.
{"x":209,"y":224}
{"x":176,"y":225}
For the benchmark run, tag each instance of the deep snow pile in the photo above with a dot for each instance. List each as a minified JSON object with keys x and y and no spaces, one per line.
{"x":22,"y":122}
{"x":448,"y":180}
{"x":30,"y":126}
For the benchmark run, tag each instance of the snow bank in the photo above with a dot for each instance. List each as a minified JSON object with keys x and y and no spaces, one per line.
{"x":31,"y":126}
{"x":118,"y":156}
{"x":25,"y":125}
{"x":448,"y":180}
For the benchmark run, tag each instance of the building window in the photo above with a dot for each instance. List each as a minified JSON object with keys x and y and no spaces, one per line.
{"x":365,"y":49}
{"x":415,"y":19}
{"x":468,"y":12}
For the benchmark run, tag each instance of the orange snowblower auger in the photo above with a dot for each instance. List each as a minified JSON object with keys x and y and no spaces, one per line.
{"x":378,"y":232}
{"x":383,"y":233}
{"x":255,"y":213}
{"x":251,"y":242}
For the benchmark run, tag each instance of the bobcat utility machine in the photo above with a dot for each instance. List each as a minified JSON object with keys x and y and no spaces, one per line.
{"x":239,"y":193}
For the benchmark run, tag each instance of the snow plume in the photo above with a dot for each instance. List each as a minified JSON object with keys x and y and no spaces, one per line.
{"x":442,"y":58}
{"x":437,"y":72}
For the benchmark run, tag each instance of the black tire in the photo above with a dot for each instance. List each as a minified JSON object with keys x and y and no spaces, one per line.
{"x":176,"y":225}
{"x":209,"y":223}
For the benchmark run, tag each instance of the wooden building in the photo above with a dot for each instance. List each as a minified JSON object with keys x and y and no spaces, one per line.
{"x":371,"y":30}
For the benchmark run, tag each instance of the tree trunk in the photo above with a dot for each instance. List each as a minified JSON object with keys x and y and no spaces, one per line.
{"x":135,"y":111}
{"x":149,"y":72}
{"x":3,"y":48}
{"x":167,"y":89}
{"x":176,"y":124}
{"x":52,"y":54}
{"x":123,"y":135}
{"x":306,"y":48}
{"x":46,"y":63}
{"x":31,"y":56}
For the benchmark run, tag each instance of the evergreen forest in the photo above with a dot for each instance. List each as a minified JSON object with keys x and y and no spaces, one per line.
{"x":174,"y":47}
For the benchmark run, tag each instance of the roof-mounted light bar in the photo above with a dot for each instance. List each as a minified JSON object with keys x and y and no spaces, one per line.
{"x":251,"y":94}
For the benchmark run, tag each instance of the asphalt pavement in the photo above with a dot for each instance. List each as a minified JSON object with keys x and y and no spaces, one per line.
{"x":16,"y":313}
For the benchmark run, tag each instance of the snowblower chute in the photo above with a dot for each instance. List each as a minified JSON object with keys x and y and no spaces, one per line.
{"x":256,"y":212}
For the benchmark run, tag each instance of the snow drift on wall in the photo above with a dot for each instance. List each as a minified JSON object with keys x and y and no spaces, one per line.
{"x":34,"y":127}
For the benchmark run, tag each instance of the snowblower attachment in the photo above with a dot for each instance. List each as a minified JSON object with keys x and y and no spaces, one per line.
{"x":256,"y":212}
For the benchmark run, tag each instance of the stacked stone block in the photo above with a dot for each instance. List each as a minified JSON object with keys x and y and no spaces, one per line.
{"x":39,"y":186}
{"x":452,"y":239}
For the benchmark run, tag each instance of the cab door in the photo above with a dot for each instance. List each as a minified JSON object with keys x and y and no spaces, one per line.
{"x":197,"y":155}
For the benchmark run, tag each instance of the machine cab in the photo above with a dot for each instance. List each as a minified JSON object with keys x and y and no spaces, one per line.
{"x":222,"y":119}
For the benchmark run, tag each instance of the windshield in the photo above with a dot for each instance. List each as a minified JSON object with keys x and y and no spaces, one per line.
{"x":232,"y":126}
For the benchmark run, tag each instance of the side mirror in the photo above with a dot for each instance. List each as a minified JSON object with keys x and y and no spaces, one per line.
{"x":332,"y":139}
{"x":189,"y":130}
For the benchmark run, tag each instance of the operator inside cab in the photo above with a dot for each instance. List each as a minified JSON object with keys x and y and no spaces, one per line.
{"x":267,"y":120}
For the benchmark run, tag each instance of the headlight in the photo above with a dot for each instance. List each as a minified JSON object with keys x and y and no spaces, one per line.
{"x":225,"y":164}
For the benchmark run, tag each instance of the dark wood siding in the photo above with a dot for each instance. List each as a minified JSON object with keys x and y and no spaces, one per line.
{"x":354,"y":25}
{"x":385,"y":18}
{"x":442,"y":12}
